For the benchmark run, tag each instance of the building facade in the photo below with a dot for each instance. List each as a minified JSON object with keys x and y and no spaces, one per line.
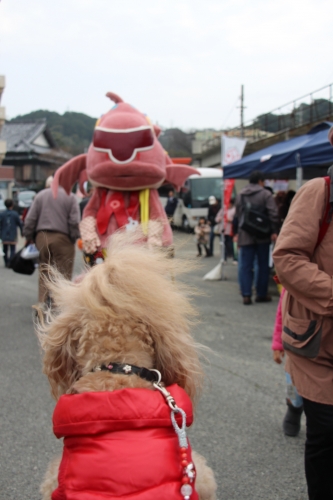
{"x":32,"y":151}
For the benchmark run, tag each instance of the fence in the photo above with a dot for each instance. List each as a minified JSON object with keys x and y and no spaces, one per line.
{"x":310,"y":108}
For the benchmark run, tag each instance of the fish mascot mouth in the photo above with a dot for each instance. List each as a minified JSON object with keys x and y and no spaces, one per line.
{"x":139,"y":175}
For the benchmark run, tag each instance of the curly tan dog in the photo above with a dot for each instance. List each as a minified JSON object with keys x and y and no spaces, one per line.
{"x":119,"y":441}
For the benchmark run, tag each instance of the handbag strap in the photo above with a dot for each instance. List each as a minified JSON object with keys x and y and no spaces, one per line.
{"x":327,"y":214}
{"x":243,"y":196}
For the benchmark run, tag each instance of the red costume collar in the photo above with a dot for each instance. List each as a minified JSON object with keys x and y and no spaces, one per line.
{"x":116,"y":205}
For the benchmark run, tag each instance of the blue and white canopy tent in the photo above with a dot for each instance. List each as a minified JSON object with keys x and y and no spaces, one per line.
{"x":308,"y":155}
{"x":312,"y":151}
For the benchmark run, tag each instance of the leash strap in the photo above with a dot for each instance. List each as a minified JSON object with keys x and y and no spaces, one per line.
{"x":189,"y":472}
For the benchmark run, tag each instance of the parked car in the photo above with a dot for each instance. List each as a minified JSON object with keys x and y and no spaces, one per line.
{"x":24,"y":200}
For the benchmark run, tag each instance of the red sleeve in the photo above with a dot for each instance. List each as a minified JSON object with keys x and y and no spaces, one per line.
{"x":277,"y":333}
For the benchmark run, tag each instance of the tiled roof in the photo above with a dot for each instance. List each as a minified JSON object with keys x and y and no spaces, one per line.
{"x":20,"y":135}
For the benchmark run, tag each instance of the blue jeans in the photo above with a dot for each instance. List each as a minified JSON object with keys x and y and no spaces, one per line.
{"x":9,"y":252}
{"x":255,"y":268}
{"x":228,"y":247}
{"x":211,"y":240}
{"x":292,"y":394}
{"x":247,"y":264}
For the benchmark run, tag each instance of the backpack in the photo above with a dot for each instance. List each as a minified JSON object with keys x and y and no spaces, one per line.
{"x":254,"y":219}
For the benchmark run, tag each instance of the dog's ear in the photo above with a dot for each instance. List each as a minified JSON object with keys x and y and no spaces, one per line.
{"x":176,"y":357}
{"x":59,"y":345}
{"x":60,"y":367}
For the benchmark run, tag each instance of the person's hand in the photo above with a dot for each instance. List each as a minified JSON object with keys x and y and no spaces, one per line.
{"x":235,"y":238}
{"x":278,"y":356}
{"x":273,"y":237}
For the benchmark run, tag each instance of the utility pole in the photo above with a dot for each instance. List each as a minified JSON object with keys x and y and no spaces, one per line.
{"x":242,"y":112}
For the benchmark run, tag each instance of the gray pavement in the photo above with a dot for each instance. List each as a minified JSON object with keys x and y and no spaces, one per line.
{"x":238,"y":421}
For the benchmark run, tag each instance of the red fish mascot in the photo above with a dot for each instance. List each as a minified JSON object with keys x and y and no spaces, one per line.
{"x":126,"y":164}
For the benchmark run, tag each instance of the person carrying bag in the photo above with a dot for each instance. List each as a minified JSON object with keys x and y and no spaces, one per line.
{"x":255,"y":219}
{"x":304,"y":265}
{"x":257,"y":214}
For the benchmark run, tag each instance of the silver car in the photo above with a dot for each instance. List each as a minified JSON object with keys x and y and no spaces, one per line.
{"x":24,"y":200}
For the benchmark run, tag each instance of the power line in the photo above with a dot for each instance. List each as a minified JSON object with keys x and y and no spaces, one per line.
{"x":231,"y":110}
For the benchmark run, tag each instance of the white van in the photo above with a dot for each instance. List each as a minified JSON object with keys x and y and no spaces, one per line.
{"x":193,"y":197}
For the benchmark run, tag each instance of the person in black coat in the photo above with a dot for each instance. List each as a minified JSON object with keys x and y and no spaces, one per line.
{"x":9,"y":222}
{"x":171,"y":204}
{"x":84,"y":202}
{"x":214,"y":207}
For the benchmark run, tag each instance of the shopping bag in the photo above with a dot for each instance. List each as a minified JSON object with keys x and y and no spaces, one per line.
{"x":22,"y":266}
{"x":30,"y":252}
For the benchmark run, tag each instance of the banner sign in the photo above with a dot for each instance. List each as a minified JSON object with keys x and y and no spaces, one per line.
{"x":277,"y":185}
{"x":232,"y":149}
{"x":228,"y":189}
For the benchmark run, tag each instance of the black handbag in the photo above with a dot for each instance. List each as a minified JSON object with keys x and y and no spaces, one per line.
{"x":22,"y":266}
{"x":255,"y":220}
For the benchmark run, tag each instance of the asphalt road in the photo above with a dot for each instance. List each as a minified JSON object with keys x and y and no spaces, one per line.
{"x":238,"y":421}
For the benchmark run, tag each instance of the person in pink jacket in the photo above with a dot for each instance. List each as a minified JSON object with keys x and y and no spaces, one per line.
{"x":292,"y":420}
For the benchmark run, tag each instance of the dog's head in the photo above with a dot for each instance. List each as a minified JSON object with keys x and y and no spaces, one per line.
{"x":130,"y":309}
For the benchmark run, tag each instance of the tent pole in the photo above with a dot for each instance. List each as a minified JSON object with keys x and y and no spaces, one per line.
{"x":299,"y":172}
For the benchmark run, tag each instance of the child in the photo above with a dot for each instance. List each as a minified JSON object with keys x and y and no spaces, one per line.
{"x":226,"y":230}
{"x":9,"y":222}
{"x":202,"y":231}
{"x":292,"y":420}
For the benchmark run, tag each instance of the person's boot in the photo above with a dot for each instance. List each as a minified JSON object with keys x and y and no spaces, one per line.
{"x":208,"y":253}
{"x":247,"y":301}
{"x":292,"y":420}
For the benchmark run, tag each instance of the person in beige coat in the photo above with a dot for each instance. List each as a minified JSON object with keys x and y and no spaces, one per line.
{"x":53,"y":224}
{"x":305,"y":269}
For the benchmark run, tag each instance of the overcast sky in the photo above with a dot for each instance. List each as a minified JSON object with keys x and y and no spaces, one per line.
{"x":180,"y":61}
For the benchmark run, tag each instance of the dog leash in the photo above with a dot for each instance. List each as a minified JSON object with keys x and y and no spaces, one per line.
{"x":188,"y":467}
